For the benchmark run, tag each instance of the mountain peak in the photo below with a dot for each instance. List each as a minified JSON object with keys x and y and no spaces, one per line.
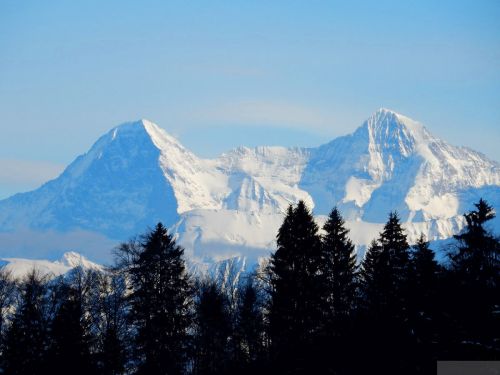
{"x":144,"y":127}
{"x":386,"y":124}
{"x":384,"y":116}
{"x":383,"y":110}
{"x":73,"y":259}
{"x":137,"y":175}
{"x":134,"y":126}
{"x":137,"y":125}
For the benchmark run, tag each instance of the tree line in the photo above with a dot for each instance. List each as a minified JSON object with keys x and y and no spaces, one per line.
{"x":309,"y":309}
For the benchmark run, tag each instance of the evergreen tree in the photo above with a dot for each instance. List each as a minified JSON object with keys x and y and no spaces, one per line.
{"x":385,"y":280}
{"x":25,"y":345}
{"x":249,"y":329}
{"x":160,"y":299}
{"x":475,"y":286}
{"x":296,"y":314}
{"x":368,"y":332}
{"x":339,"y":272}
{"x":69,"y":336}
{"x":424,"y":303}
{"x":478,"y":255}
{"x":113,"y":328}
{"x":371,"y":277}
{"x":396,"y":261}
{"x":339,"y":267}
{"x":213,"y":330}
{"x":425,"y":267}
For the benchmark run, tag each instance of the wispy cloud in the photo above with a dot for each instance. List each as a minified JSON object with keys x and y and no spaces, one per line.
{"x":275,"y":113}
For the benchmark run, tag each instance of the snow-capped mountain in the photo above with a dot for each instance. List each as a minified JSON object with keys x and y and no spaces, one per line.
{"x":394,"y":162}
{"x":19,"y":267}
{"x":137,"y":175}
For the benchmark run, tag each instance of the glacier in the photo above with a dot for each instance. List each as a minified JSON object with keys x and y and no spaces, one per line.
{"x":232,"y":206}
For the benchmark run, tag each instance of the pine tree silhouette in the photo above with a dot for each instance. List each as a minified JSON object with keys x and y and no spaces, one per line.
{"x":425,"y":267}
{"x":424,"y":302}
{"x":339,"y":273}
{"x":478,"y":255}
{"x":70,"y":337}
{"x":296,"y":316}
{"x":309,"y":310}
{"x":113,"y":358}
{"x":385,"y":279}
{"x":160,"y":299}
{"x":339,"y":267}
{"x":371,"y":276}
{"x":113,"y":327}
{"x":396,"y":260}
{"x":475,"y":286}
{"x":25,"y":345}
{"x":213,"y":330}
{"x":249,"y":329}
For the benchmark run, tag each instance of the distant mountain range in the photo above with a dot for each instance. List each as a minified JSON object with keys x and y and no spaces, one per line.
{"x":19,"y":267}
{"x":231,"y":206}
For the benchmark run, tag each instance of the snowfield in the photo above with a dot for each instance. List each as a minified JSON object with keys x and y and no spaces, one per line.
{"x":232,"y":206}
{"x":19,"y":267}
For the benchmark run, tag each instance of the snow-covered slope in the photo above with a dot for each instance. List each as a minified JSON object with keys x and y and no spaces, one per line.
{"x":19,"y":267}
{"x":232,"y":206}
{"x":393,"y":162}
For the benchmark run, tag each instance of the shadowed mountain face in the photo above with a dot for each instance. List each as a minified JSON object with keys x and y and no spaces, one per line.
{"x":116,"y":189}
{"x":137,"y":175}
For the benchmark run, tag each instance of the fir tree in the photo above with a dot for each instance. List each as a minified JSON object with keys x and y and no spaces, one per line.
{"x":425,"y":274}
{"x":424,"y":303}
{"x":339,"y":274}
{"x":475,"y":286}
{"x":385,"y":279}
{"x":478,"y":255}
{"x":249,"y":328}
{"x":160,"y":299}
{"x":339,"y":267}
{"x":370,"y":312}
{"x":113,"y":352}
{"x":213,"y":330}
{"x":371,"y":276}
{"x":25,"y":345}
{"x":296,"y":314}
{"x":396,"y":265}
{"x":69,"y":336}
{"x":113,"y":328}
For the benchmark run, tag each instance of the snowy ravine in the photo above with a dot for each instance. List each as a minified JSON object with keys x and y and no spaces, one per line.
{"x":231,"y":206}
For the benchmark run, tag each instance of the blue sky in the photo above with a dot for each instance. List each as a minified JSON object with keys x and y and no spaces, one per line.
{"x":218,"y":74}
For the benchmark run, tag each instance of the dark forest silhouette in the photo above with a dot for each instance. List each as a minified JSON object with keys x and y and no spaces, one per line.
{"x":311,"y":309}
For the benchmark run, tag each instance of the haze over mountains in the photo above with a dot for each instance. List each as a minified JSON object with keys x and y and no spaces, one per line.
{"x":137,"y":174}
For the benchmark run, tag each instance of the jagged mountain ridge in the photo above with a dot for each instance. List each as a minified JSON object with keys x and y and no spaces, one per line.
{"x":394,"y":162}
{"x":137,"y":174}
{"x":19,"y":267}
